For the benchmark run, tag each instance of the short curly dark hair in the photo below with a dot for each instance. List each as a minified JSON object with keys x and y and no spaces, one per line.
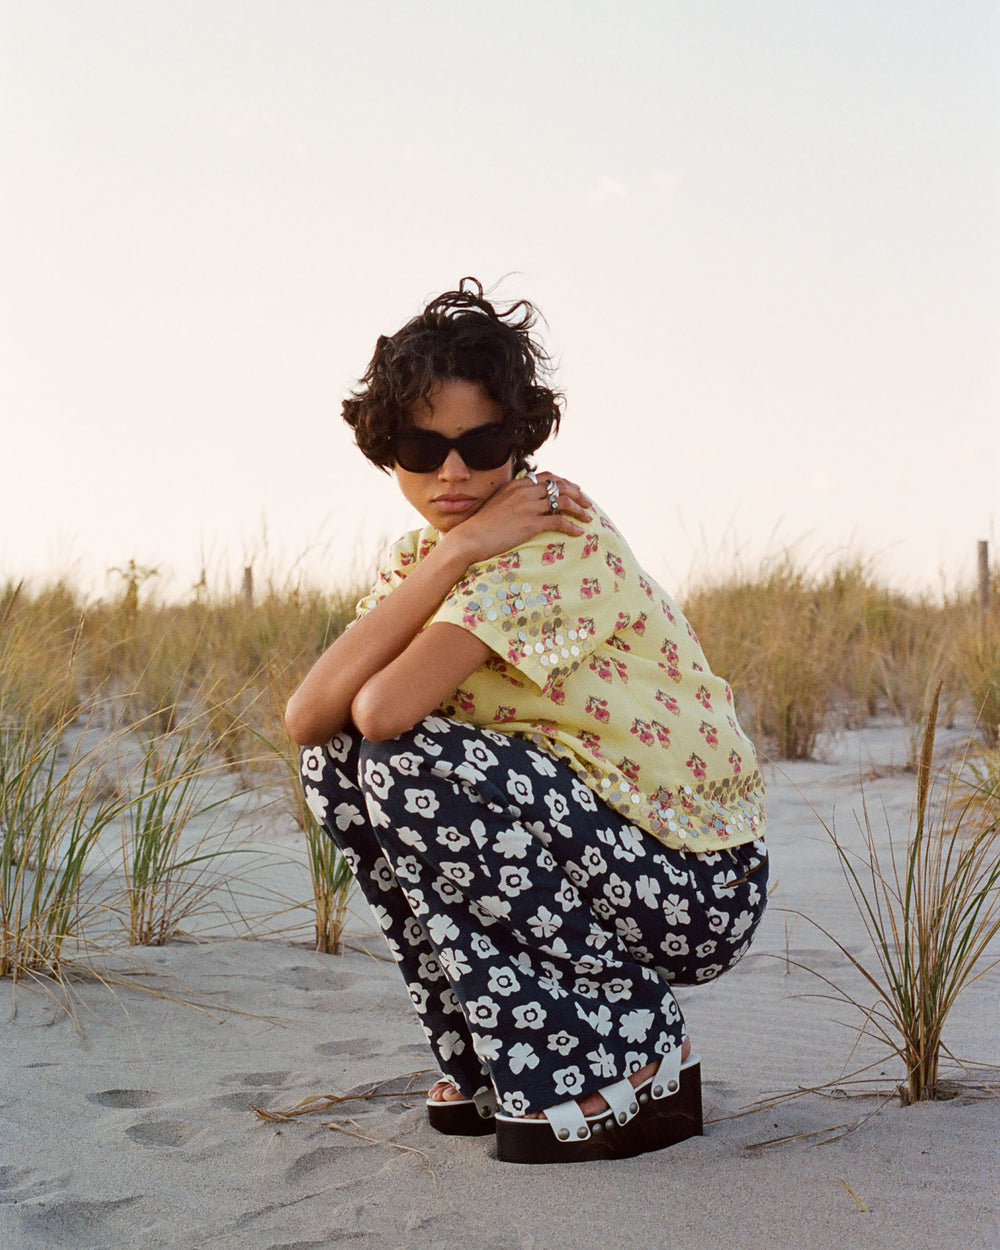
{"x":460,"y":335}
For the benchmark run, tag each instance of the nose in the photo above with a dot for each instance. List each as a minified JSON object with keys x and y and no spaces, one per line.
{"x":454,"y":468}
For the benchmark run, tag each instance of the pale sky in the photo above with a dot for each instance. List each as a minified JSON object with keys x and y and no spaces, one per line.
{"x":765,"y":237}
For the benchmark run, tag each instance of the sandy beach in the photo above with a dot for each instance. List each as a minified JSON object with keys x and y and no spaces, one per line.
{"x":126,"y":1108}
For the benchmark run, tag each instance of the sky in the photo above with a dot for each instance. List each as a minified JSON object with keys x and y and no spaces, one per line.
{"x":765,"y":238}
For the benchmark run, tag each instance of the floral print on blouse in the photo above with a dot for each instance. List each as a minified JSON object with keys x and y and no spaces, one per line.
{"x":596,"y":663}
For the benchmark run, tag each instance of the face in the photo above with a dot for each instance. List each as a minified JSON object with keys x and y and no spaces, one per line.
{"x":447,"y":496}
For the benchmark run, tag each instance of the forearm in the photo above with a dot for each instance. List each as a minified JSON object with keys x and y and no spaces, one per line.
{"x":321,"y":706}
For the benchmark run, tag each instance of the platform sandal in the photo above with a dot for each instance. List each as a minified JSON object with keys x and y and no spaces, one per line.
{"x":464,"y":1117}
{"x":664,"y":1110}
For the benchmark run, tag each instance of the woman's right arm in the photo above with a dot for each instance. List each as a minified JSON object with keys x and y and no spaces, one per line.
{"x":321,"y":706}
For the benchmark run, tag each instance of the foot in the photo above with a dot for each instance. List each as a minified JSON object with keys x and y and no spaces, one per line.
{"x":443,"y":1091}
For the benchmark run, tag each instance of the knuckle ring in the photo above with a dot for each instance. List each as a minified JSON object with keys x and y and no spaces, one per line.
{"x":552,"y":492}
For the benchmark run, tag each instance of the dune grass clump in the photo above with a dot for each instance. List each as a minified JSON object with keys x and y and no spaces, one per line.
{"x":930,"y":904}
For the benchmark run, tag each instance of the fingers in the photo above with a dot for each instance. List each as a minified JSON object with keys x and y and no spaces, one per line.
{"x":570,"y":498}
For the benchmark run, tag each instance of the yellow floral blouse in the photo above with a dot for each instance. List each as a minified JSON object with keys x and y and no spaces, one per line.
{"x":597,"y":664}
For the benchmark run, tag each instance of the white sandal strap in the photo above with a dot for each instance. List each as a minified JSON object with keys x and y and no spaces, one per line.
{"x":486,"y":1103}
{"x":622,"y":1100}
{"x":666,"y":1078}
{"x":568,"y":1121}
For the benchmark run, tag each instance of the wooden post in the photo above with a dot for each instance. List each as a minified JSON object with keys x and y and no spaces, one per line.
{"x":248,"y":587}
{"x":984,"y":576}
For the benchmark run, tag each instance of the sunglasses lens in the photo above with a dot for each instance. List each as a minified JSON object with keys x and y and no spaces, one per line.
{"x":423,"y":451}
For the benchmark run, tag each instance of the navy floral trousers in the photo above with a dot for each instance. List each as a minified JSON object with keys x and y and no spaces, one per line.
{"x":537,"y":931}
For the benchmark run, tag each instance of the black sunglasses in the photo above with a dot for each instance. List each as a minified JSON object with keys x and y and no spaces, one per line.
{"x":485,"y":447}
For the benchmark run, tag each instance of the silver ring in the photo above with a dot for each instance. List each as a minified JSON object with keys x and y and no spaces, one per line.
{"x":530,"y":475}
{"x":552,"y":490}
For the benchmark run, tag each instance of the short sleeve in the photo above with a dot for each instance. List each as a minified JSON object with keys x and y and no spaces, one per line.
{"x":400,"y":560}
{"x":546,"y":607}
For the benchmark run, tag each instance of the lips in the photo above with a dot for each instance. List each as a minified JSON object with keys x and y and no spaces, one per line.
{"x":454,"y":503}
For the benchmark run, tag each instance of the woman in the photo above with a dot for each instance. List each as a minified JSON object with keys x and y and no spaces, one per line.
{"x":520,"y":749}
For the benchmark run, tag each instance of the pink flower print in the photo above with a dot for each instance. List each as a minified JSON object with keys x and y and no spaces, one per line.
{"x":697,"y":766}
{"x":646,"y":587}
{"x":590,"y":545}
{"x":662,"y":733}
{"x":709,"y":733}
{"x":735,"y":763}
{"x":629,"y":769}
{"x":470,"y":620}
{"x":590,"y":740}
{"x":512,"y":560}
{"x":643,"y":730}
{"x":602,"y":667}
{"x":623,"y":622}
{"x":639,"y":625}
{"x":503,"y":714}
{"x":669,"y":702}
{"x":693,"y":636}
{"x":406,"y":557}
{"x":425,"y":546}
{"x":557,"y":695}
{"x":614,"y":563}
{"x":621,"y":669}
{"x":704,"y":698}
{"x":585,"y":625}
{"x":551,"y":590}
{"x":598,"y":708}
{"x":553,"y":552}
{"x":669,"y":649}
{"x":589,"y":587}
{"x":464,"y":700}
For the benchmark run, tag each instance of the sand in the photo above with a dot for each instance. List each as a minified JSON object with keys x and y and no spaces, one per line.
{"x":126,"y":1109}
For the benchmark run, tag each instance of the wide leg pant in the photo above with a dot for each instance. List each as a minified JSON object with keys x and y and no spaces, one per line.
{"x":537,"y":931}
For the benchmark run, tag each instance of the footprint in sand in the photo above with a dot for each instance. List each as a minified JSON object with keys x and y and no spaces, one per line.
{"x":161,"y":1133}
{"x":125,"y":1099}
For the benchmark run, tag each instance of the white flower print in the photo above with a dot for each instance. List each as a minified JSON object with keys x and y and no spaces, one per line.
{"x":601,"y":1062}
{"x":339,"y":747}
{"x":675,"y":910}
{"x":584,"y":796}
{"x":567,"y":896}
{"x":376,"y":816}
{"x":557,"y":805}
{"x":450,"y":1043}
{"x":545,"y":861}
{"x":600,"y":1020}
{"x":318,"y":803}
{"x":521,"y":1056}
{"x":500,"y":739}
{"x":522,"y":962}
{"x":450,"y":837}
{"x":351,"y":857}
{"x":482,"y":1011}
{"x":413,"y":931}
{"x":383,"y":917}
{"x":593,"y":861}
{"x":647,"y":890}
{"x":618,"y":891}
{"x":740,"y":925}
{"x":441,"y":930}
{"x":514,"y":881}
{"x":542,"y":763}
{"x":723,"y":882}
{"x":675,"y":944}
{"x":420,"y":802}
{"x":576,"y":874}
{"x":538,"y":831}
{"x":585,"y":987}
{"x":454,"y":962}
{"x":562,"y":1042}
{"x":704,"y":949}
{"x":468,"y":777}
{"x":519,"y":788}
{"x":676,"y":876}
{"x":408,"y":868}
{"x":406,"y":763}
{"x":416,"y":900}
{"x":568,"y":1081}
{"x":311,"y":763}
{"x":618,"y":989}
{"x":603,"y":908}
{"x":449,"y":1002}
{"x":634,"y":1026}
{"x":458,"y":873}
{"x":634,"y":1060}
{"x":479,"y":755}
{"x":482,"y":946}
{"x":502,"y":982}
{"x":428,"y":968}
{"x":426,"y":745}
{"x":630,"y":844}
{"x":544,"y":923}
{"x":529,"y":1015}
{"x":628,"y":930}
{"x":436,"y":724}
{"x":378,"y":778}
{"x":597,"y":938}
{"x":346,"y":814}
{"x":607,"y":836}
{"x":708,"y":973}
{"x":410,"y":837}
{"x":512,"y":843}
{"x":490,"y":909}
{"x":418,"y":996}
{"x":515,"y":1103}
{"x":555,"y":947}
{"x":551,"y":985}
{"x":382,"y":875}
{"x":487,"y":1048}
{"x":717,"y":920}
